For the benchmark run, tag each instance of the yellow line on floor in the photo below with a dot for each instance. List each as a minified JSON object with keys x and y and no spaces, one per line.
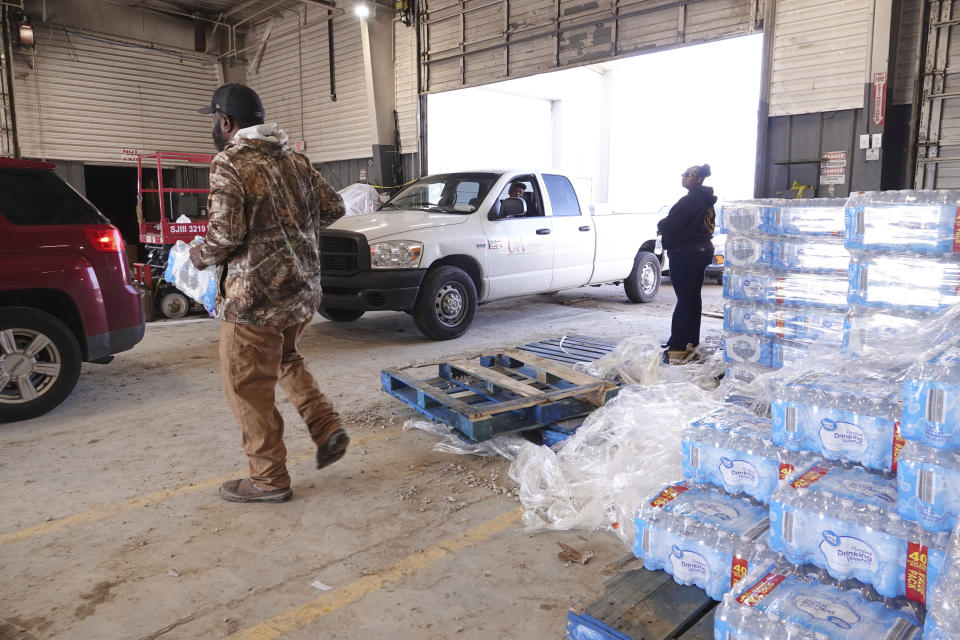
{"x":142,"y":501}
{"x":362,"y":587}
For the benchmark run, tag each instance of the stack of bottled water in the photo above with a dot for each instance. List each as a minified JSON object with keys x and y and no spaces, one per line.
{"x":840,"y":417}
{"x":701,"y":536}
{"x":785,"y":281}
{"x":843,"y":520}
{"x":943,"y":609}
{"x":786,"y":602}
{"x":905,"y":248}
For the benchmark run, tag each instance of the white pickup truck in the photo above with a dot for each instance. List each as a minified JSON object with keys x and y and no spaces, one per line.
{"x":449,"y":242}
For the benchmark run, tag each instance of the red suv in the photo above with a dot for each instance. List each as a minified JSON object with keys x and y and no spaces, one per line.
{"x":65,"y":290}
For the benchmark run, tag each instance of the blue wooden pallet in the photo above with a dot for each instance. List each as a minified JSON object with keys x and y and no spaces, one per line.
{"x":571,"y":349}
{"x":644,"y":605}
{"x":510,"y":391}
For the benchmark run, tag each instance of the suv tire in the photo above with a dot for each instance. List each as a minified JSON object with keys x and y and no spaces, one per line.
{"x":340,"y":315}
{"x":39,"y":357}
{"x":446,"y":304}
{"x":643,"y":283}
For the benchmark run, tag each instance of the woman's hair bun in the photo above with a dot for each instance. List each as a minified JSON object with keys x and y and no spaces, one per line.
{"x":704,"y":171}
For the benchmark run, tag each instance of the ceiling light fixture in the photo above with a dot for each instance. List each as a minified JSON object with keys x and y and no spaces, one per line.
{"x":25,"y":35}
{"x":362,"y":10}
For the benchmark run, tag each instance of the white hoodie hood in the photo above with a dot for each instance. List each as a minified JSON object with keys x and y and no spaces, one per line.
{"x":269,"y":132}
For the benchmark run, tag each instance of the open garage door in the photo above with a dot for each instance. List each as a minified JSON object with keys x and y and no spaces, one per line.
{"x":473,"y":42}
{"x":89,"y":97}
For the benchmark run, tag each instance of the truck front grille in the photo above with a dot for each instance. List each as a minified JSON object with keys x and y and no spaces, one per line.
{"x":340,"y":253}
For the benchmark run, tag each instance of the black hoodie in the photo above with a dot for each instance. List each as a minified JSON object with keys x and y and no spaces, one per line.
{"x":691,"y":221}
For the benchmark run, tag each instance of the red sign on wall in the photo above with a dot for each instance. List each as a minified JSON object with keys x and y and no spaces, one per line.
{"x":879,"y":98}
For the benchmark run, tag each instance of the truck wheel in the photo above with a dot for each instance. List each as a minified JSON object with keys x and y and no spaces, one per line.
{"x":39,"y":363}
{"x":643,"y":283}
{"x":446,"y":304}
{"x":174,"y":305}
{"x":340,"y":315}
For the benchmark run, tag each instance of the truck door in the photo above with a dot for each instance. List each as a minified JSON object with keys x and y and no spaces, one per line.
{"x":574,"y":235}
{"x":519,"y":248}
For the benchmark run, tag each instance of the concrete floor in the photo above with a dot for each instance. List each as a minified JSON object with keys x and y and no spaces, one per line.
{"x":111,"y":526}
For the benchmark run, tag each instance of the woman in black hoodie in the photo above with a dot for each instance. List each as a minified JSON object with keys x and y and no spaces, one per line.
{"x":686,"y":232}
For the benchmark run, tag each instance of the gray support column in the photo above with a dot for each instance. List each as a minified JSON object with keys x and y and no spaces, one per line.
{"x":867,"y":160}
{"x":376,"y":32}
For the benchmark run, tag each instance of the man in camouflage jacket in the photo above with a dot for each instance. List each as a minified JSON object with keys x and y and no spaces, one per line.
{"x":267,"y":206}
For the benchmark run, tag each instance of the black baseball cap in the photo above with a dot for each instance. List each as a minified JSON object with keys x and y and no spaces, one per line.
{"x":235,"y":100}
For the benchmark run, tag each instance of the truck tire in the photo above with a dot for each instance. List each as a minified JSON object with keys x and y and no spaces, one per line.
{"x":446,"y":304}
{"x":174,"y":305}
{"x":643,"y":283}
{"x":39,"y":363}
{"x":340,"y":315}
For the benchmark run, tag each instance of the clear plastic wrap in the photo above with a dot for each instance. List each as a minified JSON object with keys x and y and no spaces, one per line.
{"x":843,"y":520}
{"x":359,"y":198}
{"x":792,"y":323}
{"x":784,"y":252}
{"x":620,"y":454}
{"x":813,"y":217}
{"x":701,"y":536}
{"x":747,"y":216}
{"x":196,"y":284}
{"x":731,"y":448}
{"x":634,"y":360}
{"x":840,"y":417}
{"x":795,"y":288}
{"x":784,"y":602}
{"x":931,"y":399}
{"x":506,"y":446}
{"x":943,"y":608}
{"x":914,"y":221}
{"x":928,"y":486}
{"x":903,"y":281}
{"x":866,"y":330}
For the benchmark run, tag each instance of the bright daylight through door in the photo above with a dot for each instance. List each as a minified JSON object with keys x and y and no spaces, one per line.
{"x":626,"y":129}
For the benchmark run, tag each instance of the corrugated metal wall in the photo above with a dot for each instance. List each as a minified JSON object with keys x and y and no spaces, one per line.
{"x":819,"y":56}
{"x":405,"y":85}
{"x":474,"y":42}
{"x":86,"y":98}
{"x":938,"y":139}
{"x":293,"y":80}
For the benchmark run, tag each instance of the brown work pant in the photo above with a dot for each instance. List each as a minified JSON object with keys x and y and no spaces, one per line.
{"x":253,"y":360}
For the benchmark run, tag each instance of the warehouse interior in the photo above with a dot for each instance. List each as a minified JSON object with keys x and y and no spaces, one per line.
{"x":832,"y":130}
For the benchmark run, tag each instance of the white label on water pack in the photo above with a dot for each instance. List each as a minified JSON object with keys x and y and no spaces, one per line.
{"x":887,"y":494}
{"x":844,"y":553}
{"x":715,"y":510}
{"x":689,"y":565}
{"x":832,"y":612}
{"x":739,"y":473}
{"x":837,"y":435}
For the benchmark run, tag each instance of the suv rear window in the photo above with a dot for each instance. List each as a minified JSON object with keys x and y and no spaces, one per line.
{"x":40,"y":197}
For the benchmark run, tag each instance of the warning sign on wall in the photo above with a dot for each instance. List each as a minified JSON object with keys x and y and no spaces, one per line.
{"x":833,"y":167}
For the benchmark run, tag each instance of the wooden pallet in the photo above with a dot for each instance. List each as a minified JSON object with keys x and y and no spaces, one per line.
{"x":644,"y":605}
{"x":513,"y":390}
{"x":571,"y":349}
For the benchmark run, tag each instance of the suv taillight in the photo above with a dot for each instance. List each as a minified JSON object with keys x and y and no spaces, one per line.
{"x":105,"y":238}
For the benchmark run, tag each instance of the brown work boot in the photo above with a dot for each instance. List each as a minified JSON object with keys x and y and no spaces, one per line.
{"x":333,"y":449}
{"x":245,"y":491}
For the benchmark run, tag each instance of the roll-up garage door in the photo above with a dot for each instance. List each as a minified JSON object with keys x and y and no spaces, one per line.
{"x":88,"y":98}
{"x":292,"y":76}
{"x":474,"y":42}
{"x":938,"y":133}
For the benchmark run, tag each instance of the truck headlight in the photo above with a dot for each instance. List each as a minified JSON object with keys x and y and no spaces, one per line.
{"x":396,"y":254}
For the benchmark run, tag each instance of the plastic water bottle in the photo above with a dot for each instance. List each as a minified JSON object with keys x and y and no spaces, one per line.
{"x":731,"y":448}
{"x":815,"y":217}
{"x":903,"y":281}
{"x":928,"y":486}
{"x":746,"y":217}
{"x":788,"y":604}
{"x":915,"y":221}
{"x":931,"y":400}
{"x":700,"y":536}
{"x":795,"y":288}
{"x":844,"y":520}
{"x":943,"y":613}
{"x":839,"y":417}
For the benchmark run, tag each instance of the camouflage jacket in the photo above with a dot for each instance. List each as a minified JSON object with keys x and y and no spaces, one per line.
{"x":267,"y":206}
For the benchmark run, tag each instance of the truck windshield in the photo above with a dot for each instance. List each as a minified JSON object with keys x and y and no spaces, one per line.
{"x":459,"y":193}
